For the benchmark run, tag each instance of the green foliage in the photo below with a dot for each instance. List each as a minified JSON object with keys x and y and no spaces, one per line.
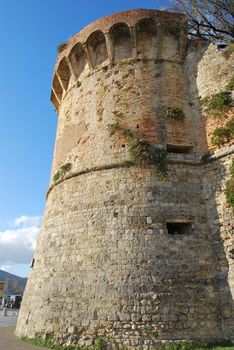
{"x":62,"y":171}
{"x":229,"y":189}
{"x":128,"y":133}
{"x":113,"y":128}
{"x":100,"y":344}
{"x":232,"y":168}
{"x":175,"y":113}
{"x":220,"y":136}
{"x":223,"y":134}
{"x":142,"y":152}
{"x":154,"y":334}
{"x":61,"y":47}
{"x":48,"y":342}
{"x":229,"y":192}
{"x":181,"y":346}
{"x":56,"y":176}
{"x":65,"y":168}
{"x":189,"y":345}
{"x":158,"y":157}
{"x":230,"y":85}
{"x":139,"y":151}
{"x":230,"y":126}
{"x":217,"y":103}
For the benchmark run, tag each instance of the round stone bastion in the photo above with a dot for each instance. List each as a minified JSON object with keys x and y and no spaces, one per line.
{"x":124,"y":251}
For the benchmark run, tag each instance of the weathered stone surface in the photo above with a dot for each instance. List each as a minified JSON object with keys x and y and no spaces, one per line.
{"x":111,"y":260}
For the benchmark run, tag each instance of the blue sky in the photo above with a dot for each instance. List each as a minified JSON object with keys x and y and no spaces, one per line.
{"x":30,"y":32}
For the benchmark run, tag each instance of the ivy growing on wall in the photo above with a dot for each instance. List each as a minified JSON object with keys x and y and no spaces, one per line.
{"x":174,"y":113}
{"x":224,"y":134}
{"x":218,"y":103}
{"x":128,"y":133}
{"x":141,"y":151}
{"x":229,"y":189}
{"x":61,"y":47}
{"x":113,"y":128}
{"x":63,"y":170}
{"x":230,"y":85}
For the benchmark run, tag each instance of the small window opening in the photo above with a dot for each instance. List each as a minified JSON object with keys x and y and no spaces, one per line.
{"x":178,"y":228}
{"x":123,"y":146}
{"x":184,"y":149}
{"x":137,"y":126}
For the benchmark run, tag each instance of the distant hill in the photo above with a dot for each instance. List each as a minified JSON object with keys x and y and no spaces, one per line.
{"x":16,"y":284}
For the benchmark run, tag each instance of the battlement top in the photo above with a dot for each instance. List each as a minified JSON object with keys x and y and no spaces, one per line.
{"x":129,"y":17}
{"x":114,"y":38}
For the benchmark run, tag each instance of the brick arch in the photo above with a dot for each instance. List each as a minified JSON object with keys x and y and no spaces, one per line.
{"x":171,"y":34}
{"x":96,"y":44}
{"x":120,"y":35}
{"x":64,"y":73}
{"x":78,"y":59}
{"x":146,"y":37}
{"x":57,"y":88}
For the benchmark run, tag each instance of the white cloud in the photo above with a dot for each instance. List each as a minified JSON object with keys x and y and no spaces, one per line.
{"x":7,"y":268}
{"x":17,"y":243}
{"x":27,"y":221}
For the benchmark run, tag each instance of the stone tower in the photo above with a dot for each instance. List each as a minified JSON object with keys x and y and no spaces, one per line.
{"x":127,"y":251}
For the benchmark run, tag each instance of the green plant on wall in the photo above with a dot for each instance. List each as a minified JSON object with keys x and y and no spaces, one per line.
{"x":230,"y":85}
{"x":113,"y":128}
{"x":230,"y":126}
{"x":174,"y":113}
{"x":65,"y":168}
{"x":217,"y":103}
{"x":56,"y":176}
{"x":229,"y":189}
{"x":128,"y":133}
{"x":139,"y":150}
{"x":142,"y":152}
{"x":159,"y":157}
{"x":154,"y":334}
{"x":62,"y":172}
{"x":224,"y":134}
{"x":220,"y":136}
{"x":61,"y":47}
{"x":99,"y":344}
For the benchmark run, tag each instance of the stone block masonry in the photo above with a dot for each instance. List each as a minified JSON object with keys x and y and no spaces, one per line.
{"x":124,"y":253}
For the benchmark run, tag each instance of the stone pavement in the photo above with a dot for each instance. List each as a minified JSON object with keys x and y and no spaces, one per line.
{"x":8,"y":340}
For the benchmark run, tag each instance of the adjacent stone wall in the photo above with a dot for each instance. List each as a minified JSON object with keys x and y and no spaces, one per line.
{"x":212,"y":70}
{"x":221,"y":230}
{"x":208,"y":70}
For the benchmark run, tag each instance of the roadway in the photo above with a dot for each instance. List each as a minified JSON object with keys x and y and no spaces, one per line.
{"x":8,"y":340}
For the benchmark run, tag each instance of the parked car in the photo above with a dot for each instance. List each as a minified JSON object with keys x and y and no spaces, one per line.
{"x":15,"y":301}
{"x":6,"y":301}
